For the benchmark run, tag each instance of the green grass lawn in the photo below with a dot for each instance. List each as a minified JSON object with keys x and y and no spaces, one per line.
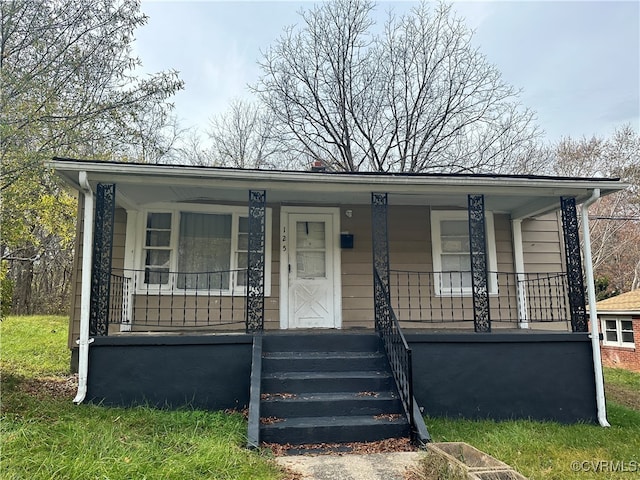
{"x":546,"y":450}
{"x":34,"y":346}
{"x":45,"y":436}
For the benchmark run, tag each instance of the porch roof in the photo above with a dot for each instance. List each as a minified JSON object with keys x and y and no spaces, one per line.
{"x":141,"y":184}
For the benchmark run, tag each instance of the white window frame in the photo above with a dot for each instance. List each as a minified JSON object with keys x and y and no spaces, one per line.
{"x":175,"y":210}
{"x":170,"y":248}
{"x":619,"y":342}
{"x":437,"y":217}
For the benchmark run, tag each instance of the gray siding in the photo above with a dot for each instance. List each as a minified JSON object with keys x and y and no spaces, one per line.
{"x":542,"y":244}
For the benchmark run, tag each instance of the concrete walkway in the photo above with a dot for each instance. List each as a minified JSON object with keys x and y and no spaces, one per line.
{"x":374,"y":466}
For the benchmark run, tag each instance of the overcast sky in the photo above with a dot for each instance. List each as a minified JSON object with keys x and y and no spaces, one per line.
{"x":577,"y":62}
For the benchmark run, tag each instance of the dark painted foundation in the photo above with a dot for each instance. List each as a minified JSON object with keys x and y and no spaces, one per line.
{"x":497,"y":375}
{"x":542,"y":376}
{"x":204,"y":372}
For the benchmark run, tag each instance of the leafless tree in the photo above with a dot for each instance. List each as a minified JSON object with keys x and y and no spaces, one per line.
{"x":243,"y":137}
{"x":192,"y":151}
{"x":615,"y":219}
{"x":418,"y":97}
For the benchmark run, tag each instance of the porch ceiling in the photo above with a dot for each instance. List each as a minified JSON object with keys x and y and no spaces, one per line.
{"x":138,"y":185}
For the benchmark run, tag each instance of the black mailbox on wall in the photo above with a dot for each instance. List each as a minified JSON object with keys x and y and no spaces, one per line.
{"x":346,"y":240}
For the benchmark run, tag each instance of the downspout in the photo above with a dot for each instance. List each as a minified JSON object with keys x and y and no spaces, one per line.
{"x":591,"y":292}
{"x":85,"y":295}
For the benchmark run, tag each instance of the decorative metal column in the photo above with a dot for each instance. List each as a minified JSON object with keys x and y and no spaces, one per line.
{"x":479,"y":275}
{"x":102,"y":253}
{"x":577,"y":304}
{"x":255,"y":260}
{"x":380,"y":241}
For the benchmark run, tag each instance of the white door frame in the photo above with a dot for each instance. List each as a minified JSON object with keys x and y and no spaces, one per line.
{"x":284,"y":261}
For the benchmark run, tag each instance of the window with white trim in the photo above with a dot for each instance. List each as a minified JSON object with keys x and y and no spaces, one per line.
{"x":617,"y":332}
{"x":157,"y":248}
{"x":200,"y":248}
{"x":451,"y":252}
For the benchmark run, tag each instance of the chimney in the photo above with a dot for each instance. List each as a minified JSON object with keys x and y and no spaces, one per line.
{"x":318,"y":166}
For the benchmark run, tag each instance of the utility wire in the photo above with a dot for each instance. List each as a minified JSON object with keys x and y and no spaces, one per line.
{"x":628,"y":219}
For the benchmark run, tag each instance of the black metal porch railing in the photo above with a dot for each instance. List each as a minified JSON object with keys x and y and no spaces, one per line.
{"x":177,"y":299}
{"x":396,"y":347}
{"x":442,"y":297}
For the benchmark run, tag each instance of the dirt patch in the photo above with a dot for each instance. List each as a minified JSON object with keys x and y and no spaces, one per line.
{"x":623,"y":395}
{"x":64,"y":387}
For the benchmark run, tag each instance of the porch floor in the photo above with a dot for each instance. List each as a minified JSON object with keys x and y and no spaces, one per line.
{"x":469,"y":334}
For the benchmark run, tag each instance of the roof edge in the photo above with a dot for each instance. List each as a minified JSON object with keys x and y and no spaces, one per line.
{"x":171,"y":168}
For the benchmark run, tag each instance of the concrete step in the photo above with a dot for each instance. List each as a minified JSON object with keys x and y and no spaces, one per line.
{"x":327,"y":388}
{"x":324,"y":382}
{"x":322,"y":361}
{"x":334,"y":429}
{"x":325,"y":342}
{"x":330,"y":404}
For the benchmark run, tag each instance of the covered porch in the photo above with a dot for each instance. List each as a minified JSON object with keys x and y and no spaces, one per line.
{"x":402,"y":233}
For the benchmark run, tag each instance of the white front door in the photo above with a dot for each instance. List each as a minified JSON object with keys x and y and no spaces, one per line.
{"x":310,"y":250}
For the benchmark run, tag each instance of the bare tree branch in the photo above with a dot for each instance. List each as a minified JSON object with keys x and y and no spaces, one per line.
{"x":417,"y":98}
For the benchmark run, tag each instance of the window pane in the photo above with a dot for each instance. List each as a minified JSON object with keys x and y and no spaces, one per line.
{"x":204,"y":280}
{"x":310,"y":235}
{"x":627,"y":337}
{"x":456,"y":263}
{"x":159,"y":221}
{"x":243,"y":224}
{"x":156,"y":276}
{"x":243,"y":241}
{"x":311,"y":264}
{"x":454,"y":227}
{"x":611,"y":336}
{"x":204,"y":246}
{"x":157,"y":238}
{"x":610,"y":325}
{"x":242,"y":260}
{"x":242,"y":265}
{"x":455,"y":244}
{"x":205,"y":225}
{"x":159,"y":258}
{"x":627,"y":325}
{"x":456,"y":280}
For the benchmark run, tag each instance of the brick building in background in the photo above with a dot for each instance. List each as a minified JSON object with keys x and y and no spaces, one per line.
{"x":620,"y":327}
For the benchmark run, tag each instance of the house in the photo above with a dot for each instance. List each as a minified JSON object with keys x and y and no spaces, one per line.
{"x":325,"y":299}
{"x":619,"y":321}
